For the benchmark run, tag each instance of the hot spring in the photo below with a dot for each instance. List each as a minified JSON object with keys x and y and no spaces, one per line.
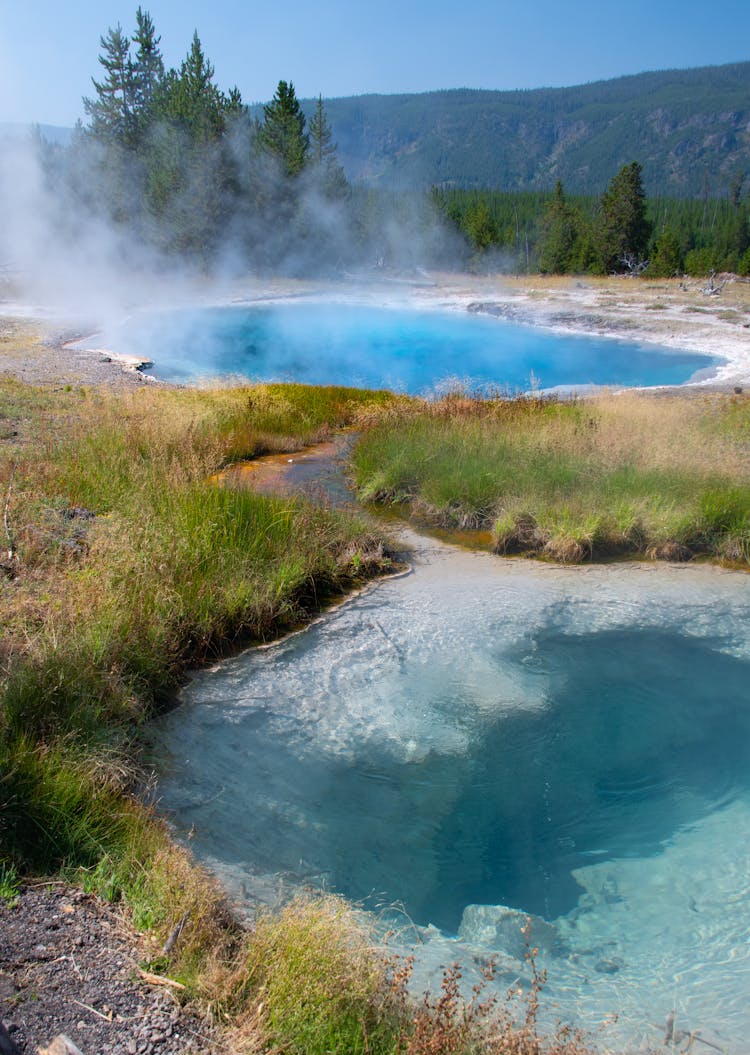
{"x":482,"y":739}
{"x":407,"y":350}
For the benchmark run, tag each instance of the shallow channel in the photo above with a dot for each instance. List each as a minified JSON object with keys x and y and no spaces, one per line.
{"x":484,"y":735}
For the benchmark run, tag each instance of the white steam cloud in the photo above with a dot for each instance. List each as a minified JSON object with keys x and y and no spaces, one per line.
{"x":62,"y":248}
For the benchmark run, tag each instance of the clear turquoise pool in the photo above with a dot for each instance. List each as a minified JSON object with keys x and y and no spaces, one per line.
{"x":484,"y":736}
{"x":406,"y":350}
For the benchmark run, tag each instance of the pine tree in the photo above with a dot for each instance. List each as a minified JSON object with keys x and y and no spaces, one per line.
{"x":323,"y":155}
{"x":191,"y":171}
{"x":622,"y":230}
{"x":321,"y":148}
{"x":234,"y":105}
{"x":148,"y":67}
{"x":561,"y":231}
{"x":480,"y":226}
{"x":192,"y":99}
{"x":112,"y":112}
{"x":667,"y":259}
{"x":282,"y":134}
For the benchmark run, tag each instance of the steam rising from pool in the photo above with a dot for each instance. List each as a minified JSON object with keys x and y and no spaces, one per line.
{"x":403,"y":349}
{"x":482,"y":733}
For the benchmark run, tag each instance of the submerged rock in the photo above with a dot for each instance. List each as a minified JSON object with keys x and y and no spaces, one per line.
{"x":508,"y":930}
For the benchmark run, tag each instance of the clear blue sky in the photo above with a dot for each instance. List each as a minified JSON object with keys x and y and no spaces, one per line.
{"x":49,"y":49}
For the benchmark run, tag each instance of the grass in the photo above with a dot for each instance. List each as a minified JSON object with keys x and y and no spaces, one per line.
{"x":631,"y":474}
{"x":10,"y":884}
{"x":311,"y":982}
{"x":123,"y":565}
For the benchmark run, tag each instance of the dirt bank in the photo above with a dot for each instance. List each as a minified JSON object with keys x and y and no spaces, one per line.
{"x":70,"y":964}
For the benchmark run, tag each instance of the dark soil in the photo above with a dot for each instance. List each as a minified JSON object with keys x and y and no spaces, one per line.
{"x":69,"y":964}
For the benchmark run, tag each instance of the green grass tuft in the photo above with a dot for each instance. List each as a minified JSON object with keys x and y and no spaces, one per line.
{"x":571,"y":481}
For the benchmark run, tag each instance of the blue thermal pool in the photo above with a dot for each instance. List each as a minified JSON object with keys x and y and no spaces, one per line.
{"x":406,"y":350}
{"x":483,"y":739}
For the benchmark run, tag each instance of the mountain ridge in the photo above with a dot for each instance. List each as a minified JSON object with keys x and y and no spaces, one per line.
{"x":689,"y":128}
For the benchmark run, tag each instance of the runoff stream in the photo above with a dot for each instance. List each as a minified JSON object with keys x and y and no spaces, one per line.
{"x":484,"y":739}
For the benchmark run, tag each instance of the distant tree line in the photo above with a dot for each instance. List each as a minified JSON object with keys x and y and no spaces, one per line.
{"x":187,"y":170}
{"x":621,"y":231}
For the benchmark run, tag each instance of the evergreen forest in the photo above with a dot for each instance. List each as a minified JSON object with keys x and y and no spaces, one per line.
{"x":193,"y":174}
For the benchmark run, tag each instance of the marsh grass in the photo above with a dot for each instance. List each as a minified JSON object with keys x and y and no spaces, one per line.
{"x":311,"y":979}
{"x":629,"y":474}
{"x":129,"y":565}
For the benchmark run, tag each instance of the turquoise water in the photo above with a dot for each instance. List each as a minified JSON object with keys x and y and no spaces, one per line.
{"x":410,"y":351}
{"x":480,"y":737}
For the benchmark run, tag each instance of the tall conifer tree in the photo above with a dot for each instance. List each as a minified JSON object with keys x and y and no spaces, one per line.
{"x":112,"y":112}
{"x":323,"y":156}
{"x":148,"y":67}
{"x":282,"y":134}
{"x":622,"y":229}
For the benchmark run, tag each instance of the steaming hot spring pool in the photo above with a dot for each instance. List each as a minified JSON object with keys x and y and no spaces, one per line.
{"x":408,"y":350}
{"x":486,"y":738}
{"x":483,"y":738}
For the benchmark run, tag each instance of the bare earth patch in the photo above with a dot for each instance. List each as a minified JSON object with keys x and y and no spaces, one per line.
{"x":42,"y":354}
{"x":69,"y":964}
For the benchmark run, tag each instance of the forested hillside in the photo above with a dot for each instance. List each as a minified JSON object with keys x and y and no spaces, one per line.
{"x":690,"y":129}
{"x":650,"y":172}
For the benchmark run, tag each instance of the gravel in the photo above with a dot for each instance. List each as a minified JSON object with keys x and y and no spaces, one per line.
{"x":69,"y":963}
{"x":55,"y":358}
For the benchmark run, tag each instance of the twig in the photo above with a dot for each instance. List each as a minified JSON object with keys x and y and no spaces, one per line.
{"x":75,"y":965}
{"x":6,"y":519}
{"x":159,"y":979}
{"x":107,"y":1018}
{"x":174,"y":936}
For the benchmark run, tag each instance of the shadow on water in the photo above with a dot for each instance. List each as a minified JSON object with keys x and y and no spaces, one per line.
{"x":645,"y":733}
{"x":641,"y":733}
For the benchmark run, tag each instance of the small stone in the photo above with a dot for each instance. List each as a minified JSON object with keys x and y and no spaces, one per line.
{"x":8,"y":988}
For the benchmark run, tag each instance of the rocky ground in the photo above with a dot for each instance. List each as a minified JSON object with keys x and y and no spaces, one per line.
{"x":42,"y":354}
{"x":70,"y":964}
